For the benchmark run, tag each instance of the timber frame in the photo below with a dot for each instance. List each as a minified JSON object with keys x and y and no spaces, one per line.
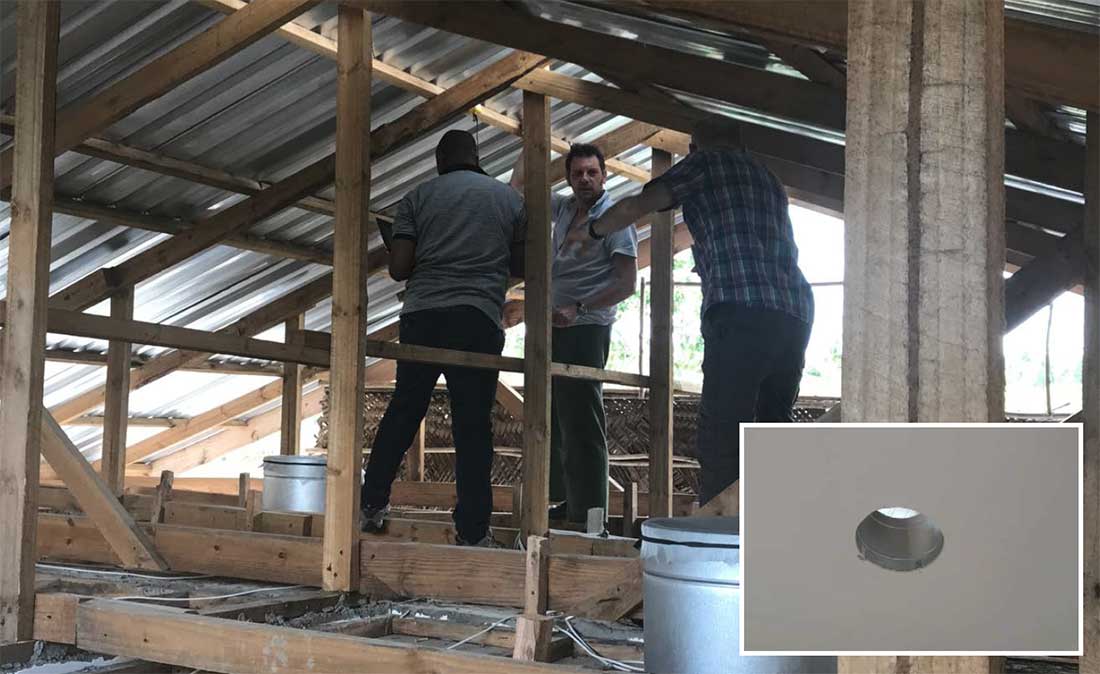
{"x":129,"y":510}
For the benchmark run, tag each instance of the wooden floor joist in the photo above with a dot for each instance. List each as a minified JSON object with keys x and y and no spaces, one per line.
{"x":220,"y":645}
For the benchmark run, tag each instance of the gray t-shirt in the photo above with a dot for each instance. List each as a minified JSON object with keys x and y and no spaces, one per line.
{"x":581,"y":271}
{"x":464,"y":224}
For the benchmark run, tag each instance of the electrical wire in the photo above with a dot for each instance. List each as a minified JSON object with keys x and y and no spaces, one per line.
{"x":571,"y":632}
{"x":488,"y":629}
{"x":103,"y":572}
{"x":223,"y":596}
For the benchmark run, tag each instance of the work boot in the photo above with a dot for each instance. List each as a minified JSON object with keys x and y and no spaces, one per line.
{"x":558,"y":512}
{"x":487,"y":541}
{"x":373,"y":518}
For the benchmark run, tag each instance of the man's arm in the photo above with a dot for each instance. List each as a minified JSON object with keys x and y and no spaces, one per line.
{"x":402,"y":258}
{"x":654,"y":197}
{"x":624,"y":275}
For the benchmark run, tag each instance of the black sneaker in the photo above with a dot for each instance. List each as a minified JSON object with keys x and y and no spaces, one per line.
{"x":558,"y":512}
{"x":373,"y":518}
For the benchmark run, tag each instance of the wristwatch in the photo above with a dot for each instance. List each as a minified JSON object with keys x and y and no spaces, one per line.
{"x":592,"y":229}
{"x":581,"y":309}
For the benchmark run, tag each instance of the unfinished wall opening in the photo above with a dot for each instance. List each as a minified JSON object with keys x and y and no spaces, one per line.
{"x":898,"y":539}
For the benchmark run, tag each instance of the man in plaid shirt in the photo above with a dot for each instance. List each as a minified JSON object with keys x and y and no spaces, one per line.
{"x":757,"y":306}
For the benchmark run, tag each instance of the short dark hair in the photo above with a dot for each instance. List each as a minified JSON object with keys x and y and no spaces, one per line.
{"x":583,"y":150}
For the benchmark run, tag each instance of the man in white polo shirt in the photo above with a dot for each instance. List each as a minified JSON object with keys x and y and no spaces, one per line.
{"x":587,"y":285}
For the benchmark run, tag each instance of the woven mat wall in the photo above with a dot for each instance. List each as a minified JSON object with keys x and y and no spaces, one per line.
{"x":627,"y":433}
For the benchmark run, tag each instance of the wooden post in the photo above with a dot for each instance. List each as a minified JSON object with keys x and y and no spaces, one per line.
{"x":349,"y":301}
{"x":24,"y":335}
{"x":536,"y":313}
{"x":291,"y":429}
{"x":244,"y":488}
{"x":1090,"y":399}
{"x":116,"y":408}
{"x":924,"y":217}
{"x":630,"y":509}
{"x":162,"y":496}
{"x":660,"y":354}
{"x":414,"y":463}
{"x":534,"y":629}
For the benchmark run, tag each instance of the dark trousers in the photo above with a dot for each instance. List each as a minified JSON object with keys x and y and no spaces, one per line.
{"x":752,"y":367}
{"x":472,"y":392}
{"x":578,"y":443}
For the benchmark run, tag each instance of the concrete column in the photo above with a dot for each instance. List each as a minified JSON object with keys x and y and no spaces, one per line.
{"x":924,"y":235}
{"x":924,"y":211}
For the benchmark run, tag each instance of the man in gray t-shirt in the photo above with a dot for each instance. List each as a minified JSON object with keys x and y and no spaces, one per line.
{"x":455,"y":239}
{"x":588,"y":282}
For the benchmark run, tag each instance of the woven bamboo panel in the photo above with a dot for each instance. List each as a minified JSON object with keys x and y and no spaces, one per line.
{"x":627,"y":434}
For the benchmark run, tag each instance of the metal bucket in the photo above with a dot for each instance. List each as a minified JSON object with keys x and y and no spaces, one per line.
{"x":294,"y":483}
{"x":692,"y":586}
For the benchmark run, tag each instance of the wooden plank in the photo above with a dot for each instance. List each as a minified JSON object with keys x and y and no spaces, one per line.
{"x":162,"y":497}
{"x":349,"y":301}
{"x":533,"y":635}
{"x":510,"y":399}
{"x":1090,"y":401}
{"x":55,"y":617}
{"x":21,"y":359}
{"x":159,"y":76}
{"x":482,"y":575}
{"x":290,"y":438}
{"x":660,"y":354}
{"x":72,"y":538}
{"x":116,"y":410}
{"x":241,"y":554}
{"x":536,"y":361}
{"x":128,"y":541}
{"x":630,"y":509}
{"x":286,"y":606}
{"x":219,"y":645}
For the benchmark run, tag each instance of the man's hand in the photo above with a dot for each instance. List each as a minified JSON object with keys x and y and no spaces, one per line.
{"x":564,"y":316}
{"x":513,"y":313}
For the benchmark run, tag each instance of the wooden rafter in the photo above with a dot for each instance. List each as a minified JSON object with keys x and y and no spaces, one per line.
{"x":84,"y":119}
{"x":327,"y":47}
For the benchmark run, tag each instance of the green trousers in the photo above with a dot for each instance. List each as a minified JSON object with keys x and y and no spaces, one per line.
{"x":578,"y":443}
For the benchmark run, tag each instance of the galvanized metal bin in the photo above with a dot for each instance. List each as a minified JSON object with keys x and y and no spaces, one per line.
{"x":692,"y":585}
{"x":294,"y":483}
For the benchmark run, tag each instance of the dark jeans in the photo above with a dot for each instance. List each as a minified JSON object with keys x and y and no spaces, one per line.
{"x":472,"y":392}
{"x":752,"y":366}
{"x":578,"y":444}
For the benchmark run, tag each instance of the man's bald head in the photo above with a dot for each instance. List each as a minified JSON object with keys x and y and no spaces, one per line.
{"x":715,"y":131}
{"x":456,"y":148}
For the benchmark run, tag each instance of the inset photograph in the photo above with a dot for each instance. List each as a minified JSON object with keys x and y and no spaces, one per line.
{"x":911,"y":539}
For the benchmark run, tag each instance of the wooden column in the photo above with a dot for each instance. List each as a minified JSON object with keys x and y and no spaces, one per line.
{"x":414,"y":464}
{"x":1090,"y":399}
{"x":924,"y":214}
{"x":291,"y":428}
{"x":116,"y":407}
{"x":349,"y":301}
{"x":25,"y":330}
{"x":660,"y":354}
{"x":536,"y":313}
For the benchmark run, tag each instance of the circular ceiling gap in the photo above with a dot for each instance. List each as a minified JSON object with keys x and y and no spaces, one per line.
{"x":898,"y":538}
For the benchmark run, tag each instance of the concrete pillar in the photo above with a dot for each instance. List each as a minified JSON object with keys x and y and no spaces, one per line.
{"x":924,"y":236}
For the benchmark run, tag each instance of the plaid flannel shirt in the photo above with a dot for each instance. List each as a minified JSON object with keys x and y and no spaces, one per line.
{"x":744,"y":245}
